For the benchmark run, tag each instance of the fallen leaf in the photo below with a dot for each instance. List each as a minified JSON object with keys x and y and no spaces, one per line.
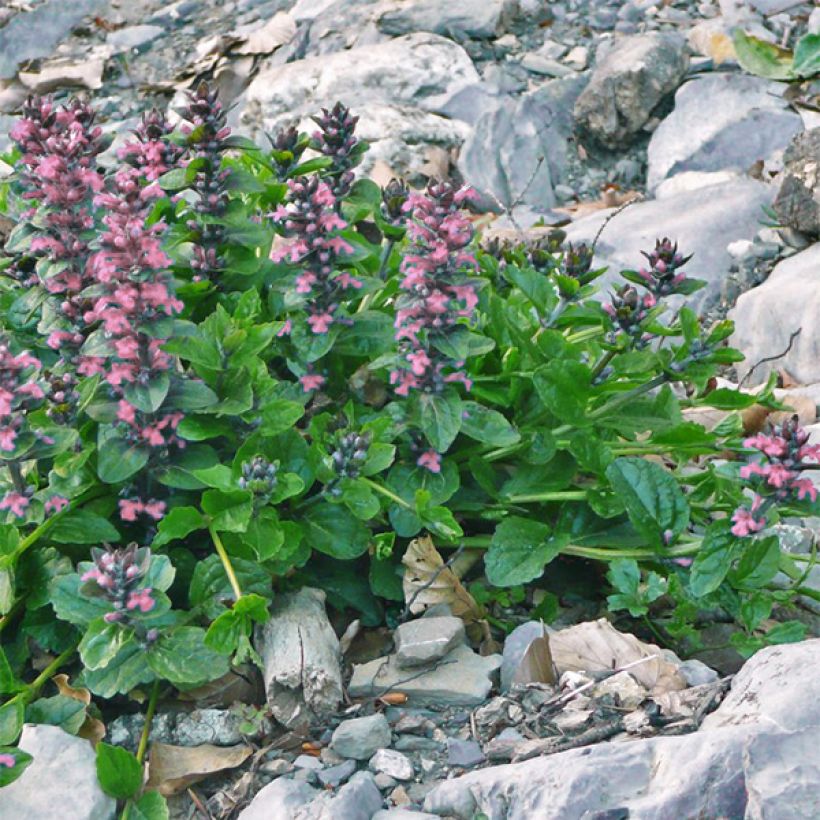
{"x":596,"y":646}
{"x":536,"y":665}
{"x":804,"y":406}
{"x":428,"y":582}
{"x":82,"y":695}
{"x":173,"y":768}
{"x":240,"y":685}
{"x":53,"y":76}
{"x":610,"y":198}
{"x":381,"y":173}
{"x":436,"y":162}
{"x":92,"y":729}
{"x":278,"y":31}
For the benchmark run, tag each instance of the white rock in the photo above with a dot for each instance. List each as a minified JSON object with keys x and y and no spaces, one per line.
{"x":475,"y":18}
{"x":279,"y":800}
{"x":739,"y":248}
{"x":629,"y":693}
{"x":392,"y":763}
{"x":425,"y":640}
{"x":578,"y":58}
{"x":60,"y":782}
{"x":721,"y":122}
{"x":766,"y":316}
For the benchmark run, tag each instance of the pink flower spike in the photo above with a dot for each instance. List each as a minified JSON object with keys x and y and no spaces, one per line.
{"x":16,"y":503}
{"x":431,"y":460}
{"x":311,"y":381}
{"x":55,"y":504}
{"x":320,"y":322}
{"x":141,"y":599}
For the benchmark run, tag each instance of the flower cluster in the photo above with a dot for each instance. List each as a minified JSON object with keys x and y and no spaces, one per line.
{"x":350,"y":453}
{"x":117,"y":576}
{"x":260,"y":477}
{"x":311,"y":220}
{"x":662,"y":277}
{"x":394,"y":195}
{"x":336,"y":139}
{"x":288,"y":146}
{"x":776,"y":476}
{"x":19,"y":390}
{"x":152,"y":152}
{"x":439,"y":294}
{"x":59,"y":147}
{"x":629,"y":310}
{"x":206,"y":134}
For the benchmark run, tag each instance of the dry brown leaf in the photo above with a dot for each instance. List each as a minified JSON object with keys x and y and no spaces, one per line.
{"x":242,"y":685}
{"x":436,"y":162}
{"x":62,"y":684}
{"x":610,"y":198}
{"x":427,"y":582}
{"x":786,"y":379}
{"x":381,"y":173}
{"x":596,"y":646}
{"x":92,"y":728}
{"x":173,"y":768}
{"x":804,"y":406}
{"x":536,"y":665}
{"x":278,"y":31}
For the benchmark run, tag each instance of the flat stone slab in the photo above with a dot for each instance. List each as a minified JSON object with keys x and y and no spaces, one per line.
{"x":427,"y":639}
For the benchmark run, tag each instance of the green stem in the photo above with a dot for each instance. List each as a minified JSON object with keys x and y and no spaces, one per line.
{"x":583,"y":335}
{"x":625,"y":398}
{"x":396,"y":499}
{"x":559,"y":495}
{"x":34,"y":687}
{"x":605,"y":360}
{"x":149,"y":716}
{"x":388,"y":249}
{"x":226,"y":562}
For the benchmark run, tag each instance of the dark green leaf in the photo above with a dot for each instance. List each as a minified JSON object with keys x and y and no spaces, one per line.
{"x":519,"y":551}
{"x":563,"y":386}
{"x":487,"y":426}
{"x":181,"y":657}
{"x":336,"y":532}
{"x":81,"y":526}
{"x":119,"y":772}
{"x":440,"y":418}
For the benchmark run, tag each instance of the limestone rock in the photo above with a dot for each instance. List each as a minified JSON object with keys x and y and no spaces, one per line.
{"x":766,"y":316}
{"x":392,"y":763}
{"x":301,"y":658}
{"x":358,"y":799}
{"x":798,"y":202}
{"x":279,"y":800}
{"x":721,"y":122}
{"x":474,"y":18}
{"x":627,"y":84}
{"x":463,"y":678}
{"x":60,"y":781}
{"x":360,"y":738}
{"x":427,"y":639}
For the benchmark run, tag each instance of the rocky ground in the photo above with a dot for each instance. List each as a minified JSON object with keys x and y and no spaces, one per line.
{"x":559,"y":113}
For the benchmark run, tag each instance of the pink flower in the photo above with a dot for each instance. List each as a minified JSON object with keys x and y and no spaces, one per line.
{"x":746,"y":521}
{"x":7,"y":760}
{"x":320,"y":322}
{"x":16,"y":503}
{"x":55,"y":504}
{"x":419,"y":361}
{"x":285,"y":329}
{"x":126,"y":412}
{"x":311,"y":381}
{"x":431,"y":460}
{"x":804,"y":487}
{"x":348,"y":281}
{"x":155,"y":509}
{"x":305,"y":282}
{"x":141,"y":599}
{"x":8,"y":437}
{"x":130,"y":509}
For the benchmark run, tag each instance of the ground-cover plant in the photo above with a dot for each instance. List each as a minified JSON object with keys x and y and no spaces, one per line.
{"x":227,"y":371}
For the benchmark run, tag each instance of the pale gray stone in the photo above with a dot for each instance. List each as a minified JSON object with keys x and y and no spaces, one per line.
{"x":403,"y":814}
{"x":301,"y":659}
{"x":696,"y":673}
{"x":220,"y":727}
{"x":133,"y":36}
{"x":474,"y":18}
{"x":463,"y":678}
{"x":425,"y":640}
{"x":360,"y":738}
{"x":308,"y":762}
{"x":798,"y":201}
{"x":392,"y":763}
{"x":335,"y":775}
{"x":636,"y":73}
{"x":721,"y":122}
{"x":61,"y":780}
{"x":515,"y":645}
{"x":279,"y":800}
{"x":702,"y":222}
{"x":766,"y":316}
{"x":464,"y":753}
{"x":358,"y":799}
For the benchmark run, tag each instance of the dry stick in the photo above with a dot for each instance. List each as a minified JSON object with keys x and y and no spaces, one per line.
{"x":771,"y":358}
{"x":622,"y":207}
{"x":551,"y":745}
{"x":391,"y":687}
{"x":568,"y":696}
{"x":405,"y":614}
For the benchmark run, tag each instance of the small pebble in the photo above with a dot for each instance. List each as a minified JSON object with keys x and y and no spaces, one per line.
{"x":464,"y":753}
{"x":384,"y":781}
{"x":393,"y":763}
{"x":308,"y":762}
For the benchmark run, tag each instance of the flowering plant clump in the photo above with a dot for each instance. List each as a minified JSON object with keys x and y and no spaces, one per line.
{"x":248,"y":368}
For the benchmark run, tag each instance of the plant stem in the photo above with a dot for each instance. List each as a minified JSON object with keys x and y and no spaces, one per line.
{"x":604,"y":361}
{"x":388,"y":250}
{"x":34,"y":687}
{"x":226,"y":562}
{"x":559,"y":495}
{"x":149,"y":716}
{"x":625,"y":398}
{"x":396,"y":499}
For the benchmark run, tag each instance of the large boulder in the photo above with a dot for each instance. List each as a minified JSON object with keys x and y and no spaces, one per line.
{"x":634,"y":75}
{"x":721,"y":122}
{"x":766,"y":317}
{"x":473,"y":18}
{"x":702,"y":221}
{"x":755,"y":757}
{"x":798,"y":201}
{"x":60,"y":782}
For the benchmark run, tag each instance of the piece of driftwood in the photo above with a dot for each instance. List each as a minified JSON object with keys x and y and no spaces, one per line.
{"x":301,"y":659}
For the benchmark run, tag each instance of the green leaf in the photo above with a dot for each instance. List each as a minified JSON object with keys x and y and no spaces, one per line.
{"x":486,"y":425}
{"x":60,"y":710}
{"x":11,"y":721}
{"x":336,"y":532}
{"x":228,"y":511}
{"x":72,"y":605}
{"x":22,"y":760}
{"x":654,"y":502}
{"x":126,"y":670}
{"x":227,"y":632}
{"x":726,"y":399}
{"x":379,"y":457}
{"x":82,"y":526}
{"x":807,"y":56}
{"x":519,"y":551}
{"x":359,"y":499}
{"x":278,"y":415}
{"x":117,"y":459}
{"x":8,"y":680}
{"x":149,"y":397}
{"x":406,"y":480}
{"x":178,"y":523}
{"x":564,"y":387}
{"x":182,"y":657}
{"x":150,"y":806}
{"x":200,"y":428}
{"x":210,"y":586}
{"x":119,"y":772}
{"x":440,"y":418}
{"x":714,"y":559}
{"x":762,"y":58}
{"x":758,"y":563}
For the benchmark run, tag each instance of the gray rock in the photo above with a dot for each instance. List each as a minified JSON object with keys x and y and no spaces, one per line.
{"x":360,"y":738}
{"x":411,"y":743}
{"x":279,"y":800}
{"x":385,"y":782}
{"x":515,"y":645}
{"x":628,"y":83}
{"x":420,"y":70}
{"x":752,"y":758}
{"x":798,"y":202}
{"x":35,"y":33}
{"x":392,"y":763}
{"x":133,"y":36}
{"x":358,"y":799}
{"x":470,"y":103}
{"x":766,"y":316}
{"x":343,"y":25}
{"x":61,"y":780}
{"x":301,"y":659}
{"x":539,"y":64}
{"x":474,"y":18}
{"x":336,"y":775}
{"x":463,"y":678}
{"x":308,"y":762}
{"x":403,"y":814}
{"x":464,"y":753}
{"x":696,"y":672}
{"x":427,"y":639}
{"x":703,"y":222}
{"x":219,"y":727}
{"x":721,"y":122}
{"x":518,"y":152}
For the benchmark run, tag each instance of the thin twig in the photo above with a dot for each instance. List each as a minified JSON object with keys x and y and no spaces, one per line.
{"x":622,"y":207}
{"x":772,"y":358}
{"x":568,"y":696}
{"x":405,"y":614}
{"x":409,"y":678}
